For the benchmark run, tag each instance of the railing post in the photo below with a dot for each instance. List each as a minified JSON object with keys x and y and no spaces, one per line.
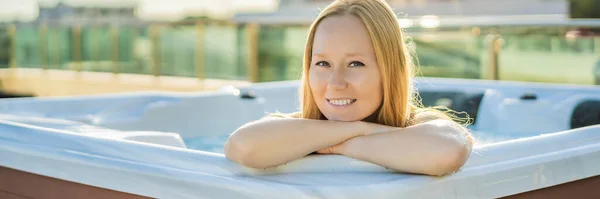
{"x":115,"y":48}
{"x":597,"y":45}
{"x":199,"y":50}
{"x":252,"y":31}
{"x":96,"y":49}
{"x":555,"y":44}
{"x":156,"y":56}
{"x":44,"y":46}
{"x":494,"y":51}
{"x":12,"y":34}
{"x":76,"y":32}
{"x":132,"y":63}
{"x":56,"y":48}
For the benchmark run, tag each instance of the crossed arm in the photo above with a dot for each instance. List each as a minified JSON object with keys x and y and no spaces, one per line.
{"x":434,"y":147}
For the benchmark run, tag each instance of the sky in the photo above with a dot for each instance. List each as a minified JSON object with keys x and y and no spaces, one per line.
{"x":147,"y":9}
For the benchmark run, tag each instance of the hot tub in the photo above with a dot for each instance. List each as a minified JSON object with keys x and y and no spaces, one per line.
{"x":534,"y":140}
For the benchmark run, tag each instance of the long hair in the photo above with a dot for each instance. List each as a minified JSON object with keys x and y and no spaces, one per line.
{"x":400,"y":102}
{"x":392,"y":56}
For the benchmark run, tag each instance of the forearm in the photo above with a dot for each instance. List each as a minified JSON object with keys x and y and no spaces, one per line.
{"x":424,"y":148}
{"x":273,"y":142}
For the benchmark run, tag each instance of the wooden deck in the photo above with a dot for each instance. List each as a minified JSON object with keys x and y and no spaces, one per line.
{"x":45,"y":83}
{"x":581,"y":189}
{"x":15,"y":184}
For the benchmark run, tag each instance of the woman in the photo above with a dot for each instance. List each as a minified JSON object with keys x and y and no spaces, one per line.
{"x":357,"y":100}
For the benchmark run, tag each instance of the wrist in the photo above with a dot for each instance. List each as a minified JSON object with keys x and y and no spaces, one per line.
{"x":360,"y":128}
{"x":351,"y":147}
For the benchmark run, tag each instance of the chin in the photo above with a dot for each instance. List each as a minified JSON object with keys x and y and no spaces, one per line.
{"x":341,"y":118}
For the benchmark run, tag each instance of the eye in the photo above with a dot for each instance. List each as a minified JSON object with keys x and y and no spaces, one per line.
{"x":356,"y":64}
{"x":322,"y":63}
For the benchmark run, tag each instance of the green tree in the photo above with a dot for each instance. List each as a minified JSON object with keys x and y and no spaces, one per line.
{"x":584,"y":8}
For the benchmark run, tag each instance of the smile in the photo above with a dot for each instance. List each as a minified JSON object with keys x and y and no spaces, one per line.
{"x":341,"y":102}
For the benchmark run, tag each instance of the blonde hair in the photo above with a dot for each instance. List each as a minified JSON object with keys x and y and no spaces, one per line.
{"x":400,"y":102}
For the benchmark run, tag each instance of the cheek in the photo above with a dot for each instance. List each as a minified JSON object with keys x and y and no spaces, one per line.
{"x":377,"y":89}
{"x":369,"y":83}
{"x":316,"y":83}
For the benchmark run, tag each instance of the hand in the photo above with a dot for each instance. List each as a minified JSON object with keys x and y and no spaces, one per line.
{"x":335,"y":149}
{"x":374,"y":128}
{"x":341,"y":148}
{"x":367,"y":127}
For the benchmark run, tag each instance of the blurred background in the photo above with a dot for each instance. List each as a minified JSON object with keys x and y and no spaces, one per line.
{"x":77,"y":47}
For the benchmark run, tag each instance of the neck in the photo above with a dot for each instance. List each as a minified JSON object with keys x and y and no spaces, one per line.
{"x":372,"y":118}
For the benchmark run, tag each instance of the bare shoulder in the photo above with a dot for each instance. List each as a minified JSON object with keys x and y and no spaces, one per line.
{"x":423,"y":116}
{"x":272,"y":116}
{"x":283,"y":115}
{"x":440,"y":118}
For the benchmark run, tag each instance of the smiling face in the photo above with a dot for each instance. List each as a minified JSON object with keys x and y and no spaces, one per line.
{"x":344,"y":76}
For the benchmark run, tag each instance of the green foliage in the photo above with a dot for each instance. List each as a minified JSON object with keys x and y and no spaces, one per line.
{"x":584,"y":8}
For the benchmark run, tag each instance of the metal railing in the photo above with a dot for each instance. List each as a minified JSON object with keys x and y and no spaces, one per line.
{"x":487,"y":33}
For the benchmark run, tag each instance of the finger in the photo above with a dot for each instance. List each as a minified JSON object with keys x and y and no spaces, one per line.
{"x":324,"y":150}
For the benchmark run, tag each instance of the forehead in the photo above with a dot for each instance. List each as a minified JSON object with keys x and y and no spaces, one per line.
{"x":342,"y":34}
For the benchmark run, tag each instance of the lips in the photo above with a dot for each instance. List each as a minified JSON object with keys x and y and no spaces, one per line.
{"x":341,"y":101}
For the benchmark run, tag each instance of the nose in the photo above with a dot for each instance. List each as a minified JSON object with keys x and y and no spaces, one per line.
{"x":337,"y":81}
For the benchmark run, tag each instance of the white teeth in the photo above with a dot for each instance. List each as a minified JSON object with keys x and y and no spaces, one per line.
{"x":341,"y":102}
